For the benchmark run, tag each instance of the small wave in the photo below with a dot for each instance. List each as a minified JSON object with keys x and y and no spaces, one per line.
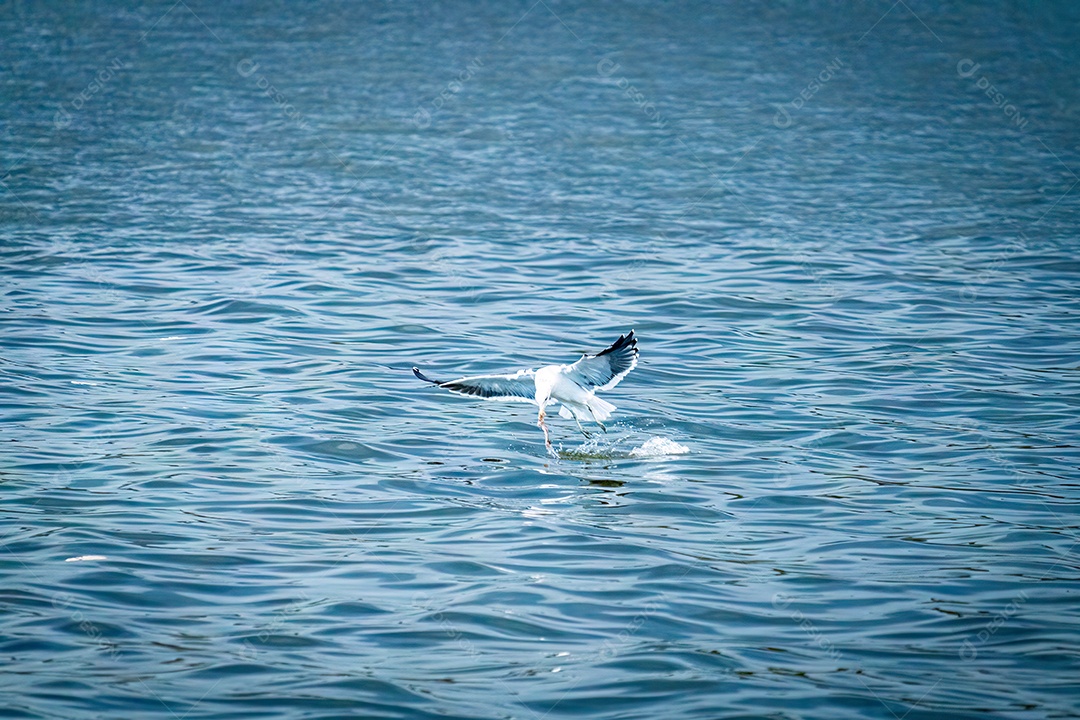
{"x":659,"y":446}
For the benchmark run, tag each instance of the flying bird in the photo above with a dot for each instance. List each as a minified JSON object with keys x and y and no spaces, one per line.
{"x":574,"y":386}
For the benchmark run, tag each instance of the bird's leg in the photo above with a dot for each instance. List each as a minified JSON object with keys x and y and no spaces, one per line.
{"x":547,"y":439}
{"x":582,"y":428}
{"x":542,"y":426}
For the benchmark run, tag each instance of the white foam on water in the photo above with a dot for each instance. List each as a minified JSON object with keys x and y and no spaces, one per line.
{"x":658,"y":447}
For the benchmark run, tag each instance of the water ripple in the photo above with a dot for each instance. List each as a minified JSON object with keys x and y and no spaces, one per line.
{"x":841,"y":483}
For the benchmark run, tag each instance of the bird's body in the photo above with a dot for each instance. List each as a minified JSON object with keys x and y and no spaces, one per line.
{"x":573,"y":386}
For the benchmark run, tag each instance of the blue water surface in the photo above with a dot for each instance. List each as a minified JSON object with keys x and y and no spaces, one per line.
{"x":842,"y":483}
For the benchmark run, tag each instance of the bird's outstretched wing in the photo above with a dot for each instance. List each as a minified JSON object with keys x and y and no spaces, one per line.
{"x":605,"y":369}
{"x":520,"y":386}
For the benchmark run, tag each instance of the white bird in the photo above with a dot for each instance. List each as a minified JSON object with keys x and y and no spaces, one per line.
{"x":575,"y":386}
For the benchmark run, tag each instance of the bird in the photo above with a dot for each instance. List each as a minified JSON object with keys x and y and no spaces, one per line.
{"x":574,"y":386}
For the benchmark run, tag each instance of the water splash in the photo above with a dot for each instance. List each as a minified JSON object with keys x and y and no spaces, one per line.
{"x":600,"y":449}
{"x":659,"y":447}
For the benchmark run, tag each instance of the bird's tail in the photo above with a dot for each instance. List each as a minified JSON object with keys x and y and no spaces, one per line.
{"x":601,"y":409}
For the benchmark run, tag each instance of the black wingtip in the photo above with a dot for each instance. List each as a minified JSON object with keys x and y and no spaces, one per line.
{"x":627,"y":340}
{"x":422,"y":376}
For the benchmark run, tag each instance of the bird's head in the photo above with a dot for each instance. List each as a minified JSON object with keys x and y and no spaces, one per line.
{"x":545,"y":383}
